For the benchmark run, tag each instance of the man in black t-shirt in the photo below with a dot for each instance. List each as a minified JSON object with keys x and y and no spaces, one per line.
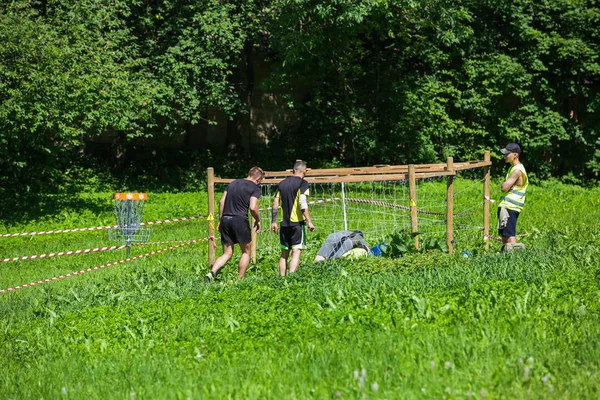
{"x":292,"y":192}
{"x":240,"y":196}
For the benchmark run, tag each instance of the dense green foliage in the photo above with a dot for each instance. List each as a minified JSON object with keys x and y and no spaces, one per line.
{"x":426,"y":325}
{"x":72,"y":71}
{"x":382,"y":81}
{"x":422,"y":80}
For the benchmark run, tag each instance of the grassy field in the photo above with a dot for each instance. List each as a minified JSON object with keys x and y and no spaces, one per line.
{"x":427,"y":325}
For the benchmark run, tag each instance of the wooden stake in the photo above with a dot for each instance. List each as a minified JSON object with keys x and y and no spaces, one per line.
{"x":450,"y":205}
{"x":412,"y":188}
{"x":211,"y":213}
{"x":486,"y":203}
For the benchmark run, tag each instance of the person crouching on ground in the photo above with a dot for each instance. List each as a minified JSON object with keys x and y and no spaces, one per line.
{"x":341,"y":243}
{"x":240,"y":196}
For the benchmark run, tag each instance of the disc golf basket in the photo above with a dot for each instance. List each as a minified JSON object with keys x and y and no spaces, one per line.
{"x":129,"y":210}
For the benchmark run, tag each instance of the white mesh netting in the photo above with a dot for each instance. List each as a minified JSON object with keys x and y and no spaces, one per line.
{"x":381,"y":208}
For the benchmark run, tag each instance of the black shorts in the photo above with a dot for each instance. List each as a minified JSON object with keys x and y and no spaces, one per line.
{"x":234,"y":230}
{"x":292,"y":237}
{"x":511,"y":225}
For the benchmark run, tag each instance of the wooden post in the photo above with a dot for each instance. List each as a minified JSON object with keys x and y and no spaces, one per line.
{"x":211,"y":214}
{"x":344,"y":208}
{"x":486,"y":203}
{"x":412,"y":188}
{"x":450,"y":205}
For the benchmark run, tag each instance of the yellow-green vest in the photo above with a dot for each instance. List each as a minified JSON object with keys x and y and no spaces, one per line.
{"x":515,"y":197}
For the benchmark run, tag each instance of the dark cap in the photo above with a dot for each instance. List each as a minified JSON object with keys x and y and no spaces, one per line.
{"x":511,"y":148}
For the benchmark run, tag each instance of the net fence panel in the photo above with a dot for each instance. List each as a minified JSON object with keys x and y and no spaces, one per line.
{"x":379,"y":209}
{"x":468,"y":211}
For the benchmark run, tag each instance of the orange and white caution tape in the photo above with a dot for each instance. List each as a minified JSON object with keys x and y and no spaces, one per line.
{"x":139,"y":244}
{"x":86,"y":251}
{"x":71,"y":274}
{"x":324,"y":200}
{"x":97,"y":228}
{"x":488,"y":198}
{"x":164,"y":221}
{"x":488,"y":237}
{"x":311,"y":202}
{"x":392,"y":205}
{"x":64,"y":253}
{"x":59,"y":231}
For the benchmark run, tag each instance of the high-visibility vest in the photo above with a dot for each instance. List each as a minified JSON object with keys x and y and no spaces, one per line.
{"x":515,"y":197}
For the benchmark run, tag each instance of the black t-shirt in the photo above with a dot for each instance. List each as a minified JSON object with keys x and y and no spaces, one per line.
{"x":237,"y":201}
{"x":289,"y":191}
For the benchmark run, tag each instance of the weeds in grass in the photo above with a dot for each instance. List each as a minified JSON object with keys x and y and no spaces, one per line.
{"x":425,"y":325}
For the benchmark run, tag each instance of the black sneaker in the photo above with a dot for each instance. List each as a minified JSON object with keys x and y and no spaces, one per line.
{"x":209,"y":277}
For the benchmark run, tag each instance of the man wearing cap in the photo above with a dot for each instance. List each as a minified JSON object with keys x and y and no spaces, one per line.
{"x":511,"y":204}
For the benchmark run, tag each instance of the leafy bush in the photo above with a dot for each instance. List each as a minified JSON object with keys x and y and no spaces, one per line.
{"x":402,"y":242}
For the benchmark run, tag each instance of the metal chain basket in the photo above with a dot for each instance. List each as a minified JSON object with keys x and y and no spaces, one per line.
{"x":129,"y":211}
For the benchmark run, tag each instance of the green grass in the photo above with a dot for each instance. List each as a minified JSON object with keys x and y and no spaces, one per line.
{"x":428,"y":325}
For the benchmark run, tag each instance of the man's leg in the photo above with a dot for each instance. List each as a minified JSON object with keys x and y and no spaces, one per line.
{"x":297,"y":242}
{"x":221,"y":261}
{"x":510,"y":231}
{"x":283,"y":261}
{"x":244,"y":259}
{"x":295,"y":261}
{"x":507,"y":240}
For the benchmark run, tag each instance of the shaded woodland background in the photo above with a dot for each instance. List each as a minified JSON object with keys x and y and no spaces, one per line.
{"x":144,"y":95}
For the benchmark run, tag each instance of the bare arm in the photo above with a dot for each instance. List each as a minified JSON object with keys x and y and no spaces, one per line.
{"x":511,"y":181}
{"x":311,"y":227}
{"x":274,"y":211}
{"x":254,"y":212}
{"x":221,"y":207}
{"x":304,"y":209}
